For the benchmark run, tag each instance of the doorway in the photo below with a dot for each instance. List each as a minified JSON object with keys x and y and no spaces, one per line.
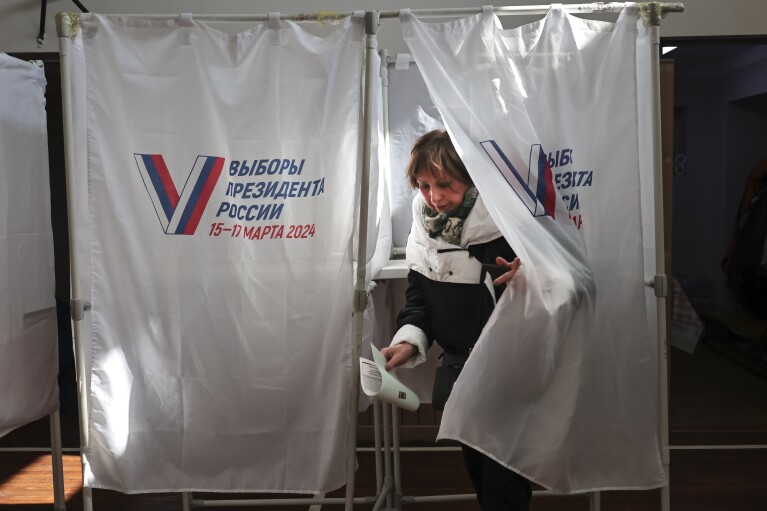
{"x":718,"y":336}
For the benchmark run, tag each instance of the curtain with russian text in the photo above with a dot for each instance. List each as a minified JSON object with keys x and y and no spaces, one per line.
{"x":562,"y":385}
{"x":221,"y":183}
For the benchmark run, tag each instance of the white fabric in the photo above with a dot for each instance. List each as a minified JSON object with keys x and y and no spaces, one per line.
{"x":411,"y":114}
{"x":379,"y":168}
{"x":221,"y":344}
{"x":378,"y":236}
{"x":562,"y":385}
{"x":28,"y":337}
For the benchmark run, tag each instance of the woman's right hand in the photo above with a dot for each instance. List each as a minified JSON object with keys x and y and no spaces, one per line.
{"x":398,"y":355}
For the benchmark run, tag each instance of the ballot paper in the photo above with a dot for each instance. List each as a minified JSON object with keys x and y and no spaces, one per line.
{"x":377,"y":382}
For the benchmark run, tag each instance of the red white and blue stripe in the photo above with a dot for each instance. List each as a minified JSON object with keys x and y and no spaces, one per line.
{"x":179,"y":213}
{"x":536,"y":188}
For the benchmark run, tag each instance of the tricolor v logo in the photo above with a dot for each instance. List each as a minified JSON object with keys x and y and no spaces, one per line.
{"x":536,"y":189}
{"x":179,"y":214}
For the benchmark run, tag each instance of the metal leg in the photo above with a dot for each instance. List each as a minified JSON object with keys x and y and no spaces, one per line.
{"x":87,"y":498}
{"x":387,"y":450}
{"x":59,"y":500}
{"x":395,"y":457}
{"x":595,"y":501}
{"x":377,"y":440}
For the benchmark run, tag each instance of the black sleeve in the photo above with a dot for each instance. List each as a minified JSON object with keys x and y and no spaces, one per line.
{"x":486,"y":254}
{"x":416,"y":311}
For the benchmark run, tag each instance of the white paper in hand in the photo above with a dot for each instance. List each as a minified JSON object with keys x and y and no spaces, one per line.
{"x":377,"y":382}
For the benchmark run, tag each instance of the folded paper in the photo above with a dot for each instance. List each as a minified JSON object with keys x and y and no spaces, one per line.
{"x":377,"y":382}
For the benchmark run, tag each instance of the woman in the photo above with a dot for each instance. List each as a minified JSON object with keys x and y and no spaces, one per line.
{"x":450,"y":296}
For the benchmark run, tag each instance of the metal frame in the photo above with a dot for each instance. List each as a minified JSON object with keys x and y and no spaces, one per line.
{"x":67,"y":25}
{"x":661,"y":280}
{"x":653,"y":13}
{"x":78,"y":306}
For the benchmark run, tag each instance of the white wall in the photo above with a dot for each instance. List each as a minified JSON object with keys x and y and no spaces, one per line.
{"x":19,"y":19}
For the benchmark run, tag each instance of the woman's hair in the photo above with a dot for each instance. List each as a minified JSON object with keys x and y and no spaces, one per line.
{"x":434,"y":152}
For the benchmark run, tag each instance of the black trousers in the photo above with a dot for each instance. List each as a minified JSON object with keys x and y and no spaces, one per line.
{"x":497,"y":487}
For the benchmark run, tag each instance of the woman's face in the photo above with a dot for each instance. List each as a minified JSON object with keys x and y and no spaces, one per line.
{"x":441,"y":193}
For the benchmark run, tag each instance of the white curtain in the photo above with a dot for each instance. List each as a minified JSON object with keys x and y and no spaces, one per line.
{"x":411,"y":114}
{"x":221,"y":181}
{"x":562,"y":385}
{"x":28,"y":336}
{"x":379,"y":236}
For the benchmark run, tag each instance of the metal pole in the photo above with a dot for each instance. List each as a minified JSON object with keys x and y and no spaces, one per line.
{"x":330,"y":501}
{"x":323,"y":17}
{"x":67,"y":26}
{"x":527,"y":10}
{"x":186,"y":501}
{"x":386,"y":490}
{"x":377,"y":441}
{"x":390,"y":301}
{"x":661,"y":280}
{"x":319,"y":17}
{"x":360,"y":295}
{"x":462,"y":497}
{"x":395,"y":455}
{"x":376,"y":403}
{"x":387,"y":156}
{"x":387,"y":450}
{"x":595,"y":501}
{"x":59,"y":500}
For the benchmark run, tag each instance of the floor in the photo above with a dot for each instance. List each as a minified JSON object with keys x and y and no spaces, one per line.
{"x":714,"y":403}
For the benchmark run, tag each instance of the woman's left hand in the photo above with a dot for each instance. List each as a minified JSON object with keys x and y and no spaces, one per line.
{"x":513,"y":266}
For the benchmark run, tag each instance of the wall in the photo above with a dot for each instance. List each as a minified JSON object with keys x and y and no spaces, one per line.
{"x":726,"y":128}
{"x":19,"y":19}
{"x":698,"y":199}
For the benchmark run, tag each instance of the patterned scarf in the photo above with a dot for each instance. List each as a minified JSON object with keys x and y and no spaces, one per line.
{"x":449,"y":225}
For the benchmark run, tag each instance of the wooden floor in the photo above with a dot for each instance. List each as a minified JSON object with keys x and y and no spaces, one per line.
{"x":713,"y":403}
